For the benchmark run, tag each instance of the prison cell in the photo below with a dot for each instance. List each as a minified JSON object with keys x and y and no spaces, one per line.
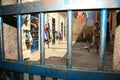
{"x":42,"y":70}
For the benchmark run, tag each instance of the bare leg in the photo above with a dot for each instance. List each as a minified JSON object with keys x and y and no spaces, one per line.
{"x":90,"y":47}
{"x":97,"y":48}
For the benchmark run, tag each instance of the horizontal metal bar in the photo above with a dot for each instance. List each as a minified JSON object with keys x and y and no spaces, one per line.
{"x":58,"y":5}
{"x":70,"y":74}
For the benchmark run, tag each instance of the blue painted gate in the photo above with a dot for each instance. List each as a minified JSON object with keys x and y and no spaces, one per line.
{"x":65,"y":73}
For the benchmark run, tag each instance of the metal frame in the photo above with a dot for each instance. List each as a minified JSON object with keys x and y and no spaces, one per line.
{"x":59,"y":5}
{"x":63,"y":73}
{"x":103,"y":37}
{"x":69,"y":42}
{"x":2,"y":55}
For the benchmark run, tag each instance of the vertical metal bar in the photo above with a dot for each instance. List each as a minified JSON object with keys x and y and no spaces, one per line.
{"x":4,"y":76}
{"x":103,"y":37}
{"x":39,"y":30}
{"x":19,"y":1}
{"x":42,"y":44}
{"x":0,"y":74}
{"x":69,"y":39}
{"x":30,"y":76}
{"x":19,"y":33}
{"x":21,"y":76}
{"x":20,"y":55}
{"x":43,"y":78}
{"x":1,"y":43}
{"x":12,"y":76}
{"x":2,"y":55}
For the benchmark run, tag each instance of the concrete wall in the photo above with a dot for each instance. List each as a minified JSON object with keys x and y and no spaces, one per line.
{"x":10,"y":36}
{"x":116,"y":55}
{"x":25,"y":1}
{"x":78,"y":28}
{"x":26,"y":52}
{"x":8,"y":2}
{"x":116,"y":58}
{"x":10,"y":41}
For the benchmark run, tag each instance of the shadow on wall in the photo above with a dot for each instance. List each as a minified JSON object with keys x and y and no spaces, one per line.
{"x":81,"y":32}
{"x":85,"y":34}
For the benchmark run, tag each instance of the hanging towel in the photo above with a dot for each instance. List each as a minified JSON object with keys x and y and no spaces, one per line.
{"x":90,"y":18}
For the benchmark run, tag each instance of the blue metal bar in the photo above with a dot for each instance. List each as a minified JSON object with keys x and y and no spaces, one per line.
{"x":60,"y":73}
{"x":4,"y":75}
{"x":45,"y":5}
{"x":2,"y":55}
{"x":20,"y":55}
{"x":103,"y":37}
{"x":21,"y":76}
{"x":55,"y":79}
{"x":42,"y":44}
{"x":19,"y":33}
{"x":0,"y":74}
{"x":30,"y":76}
{"x":12,"y":76}
{"x":43,"y":78}
{"x":19,"y":1}
{"x":69,"y":39}
{"x":39,"y":31}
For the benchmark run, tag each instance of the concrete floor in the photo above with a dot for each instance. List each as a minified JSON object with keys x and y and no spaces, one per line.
{"x":81,"y":58}
{"x":56,"y":55}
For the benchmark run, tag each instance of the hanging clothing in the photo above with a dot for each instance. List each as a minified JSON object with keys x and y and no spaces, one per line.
{"x":47,"y":33}
{"x":47,"y":36}
{"x":51,"y":35}
{"x":47,"y":26}
{"x":90,"y":18}
{"x":60,"y":36}
{"x":81,"y":15}
{"x":96,"y":16}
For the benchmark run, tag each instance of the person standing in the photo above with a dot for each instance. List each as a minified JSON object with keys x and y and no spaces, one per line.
{"x":95,"y":37}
